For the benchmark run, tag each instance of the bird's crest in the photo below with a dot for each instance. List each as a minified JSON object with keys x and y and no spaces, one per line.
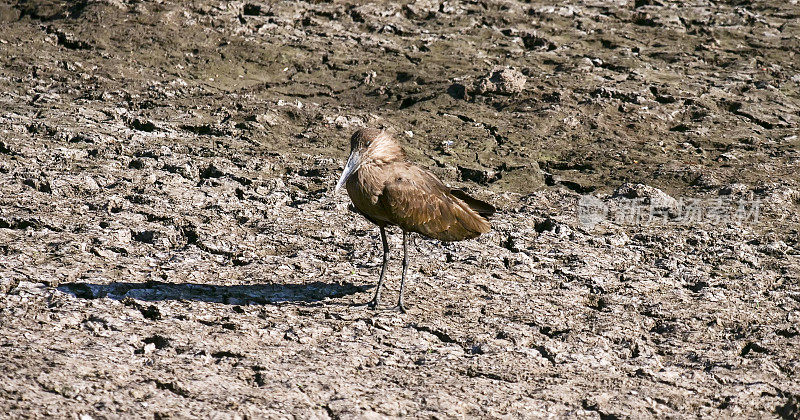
{"x":376,"y":146}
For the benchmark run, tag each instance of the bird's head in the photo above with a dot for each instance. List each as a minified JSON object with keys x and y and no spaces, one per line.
{"x":369,"y":146}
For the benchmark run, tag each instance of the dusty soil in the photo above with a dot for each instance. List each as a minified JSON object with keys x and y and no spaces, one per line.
{"x":170,"y":245}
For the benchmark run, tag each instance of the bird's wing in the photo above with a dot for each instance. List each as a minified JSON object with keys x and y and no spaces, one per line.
{"x":417,"y":201}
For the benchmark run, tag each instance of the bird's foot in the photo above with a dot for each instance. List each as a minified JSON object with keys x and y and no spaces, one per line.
{"x":372,"y":304}
{"x":399,"y":308}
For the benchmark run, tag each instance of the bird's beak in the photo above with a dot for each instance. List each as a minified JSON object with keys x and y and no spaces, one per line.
{"x":353,"y":162}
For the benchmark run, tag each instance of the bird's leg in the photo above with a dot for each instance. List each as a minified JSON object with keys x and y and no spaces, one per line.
{"x":374,"y":302}
{"x":405,"y":270}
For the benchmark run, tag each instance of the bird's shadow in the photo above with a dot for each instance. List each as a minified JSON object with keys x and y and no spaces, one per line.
{"x":250,"y":294}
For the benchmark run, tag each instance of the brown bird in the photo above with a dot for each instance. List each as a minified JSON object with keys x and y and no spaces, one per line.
{"x":389,"y":190}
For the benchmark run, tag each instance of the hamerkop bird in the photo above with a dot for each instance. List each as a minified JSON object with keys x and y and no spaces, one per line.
{"x":389,"y":190}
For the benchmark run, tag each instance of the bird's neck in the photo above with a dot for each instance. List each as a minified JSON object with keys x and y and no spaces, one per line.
{"x":383,"y":151}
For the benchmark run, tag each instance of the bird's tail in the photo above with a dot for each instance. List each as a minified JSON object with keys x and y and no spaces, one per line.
{"x":481,"y":207}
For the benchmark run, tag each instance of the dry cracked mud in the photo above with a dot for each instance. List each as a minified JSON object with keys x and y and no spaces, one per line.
{"x":171,"y":247}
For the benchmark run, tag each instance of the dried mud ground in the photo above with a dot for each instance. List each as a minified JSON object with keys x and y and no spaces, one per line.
{"x":171,"y":247}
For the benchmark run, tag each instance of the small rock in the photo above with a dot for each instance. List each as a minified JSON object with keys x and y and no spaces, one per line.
{"x":423,"y":9}
{"x":649,"y":195}
{"x":734,"y":189}
{"x":41,"y":185}
{"x":533,"y":41}
{"x":269,"y":119}
{"x":458,"y":91}
{"x":549,"y":225}
{"x":504,"y":81}
{"x":90,"y":184}
{"x":123,"y":236}
{"x":480,"y":175}
{"x":706,"y":180}
{"x":776,"y":248}
{"x":186,"y":170}
{"x":584,"y":65}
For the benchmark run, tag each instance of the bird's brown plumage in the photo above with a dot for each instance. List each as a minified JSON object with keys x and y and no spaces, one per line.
{"x":390,"y":190}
